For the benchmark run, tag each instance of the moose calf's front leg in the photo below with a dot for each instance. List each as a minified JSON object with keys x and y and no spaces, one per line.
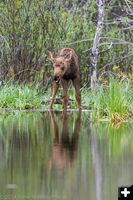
{"x":65,"y":101}
{"x":65,"y":89}
{"x":55,"y":88}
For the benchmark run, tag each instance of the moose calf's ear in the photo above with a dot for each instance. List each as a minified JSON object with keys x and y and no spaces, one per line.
{"x":50,"y":56}
{"x":68,"y":56}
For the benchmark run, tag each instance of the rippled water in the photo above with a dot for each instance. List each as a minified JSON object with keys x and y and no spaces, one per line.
{"x":63,"y":156}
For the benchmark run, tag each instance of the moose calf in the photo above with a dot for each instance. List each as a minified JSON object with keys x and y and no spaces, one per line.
{"x":66,"y":68}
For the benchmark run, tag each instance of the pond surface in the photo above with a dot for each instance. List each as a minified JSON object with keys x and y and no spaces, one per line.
{"x":63,"y":156}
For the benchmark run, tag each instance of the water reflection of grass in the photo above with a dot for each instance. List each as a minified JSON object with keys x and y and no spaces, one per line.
{"x":114,"y":140}
{"x":23,"y":129}
{"x":33,"y":127}
{"x":27,"y":142}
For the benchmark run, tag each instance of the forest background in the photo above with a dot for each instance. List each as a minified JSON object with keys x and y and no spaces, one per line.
{"x":30,"y":27}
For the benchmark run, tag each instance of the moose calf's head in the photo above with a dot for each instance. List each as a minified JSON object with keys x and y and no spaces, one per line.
{"x":61,"y":65}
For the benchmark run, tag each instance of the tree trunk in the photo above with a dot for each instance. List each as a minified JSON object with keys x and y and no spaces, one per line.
{"x":94,"y":53}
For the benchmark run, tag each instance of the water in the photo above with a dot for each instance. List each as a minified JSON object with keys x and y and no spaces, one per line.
{"x":64,"y":157}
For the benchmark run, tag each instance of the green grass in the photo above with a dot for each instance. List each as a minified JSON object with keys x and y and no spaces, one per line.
{"x":113,"y":102}
{"x":19,"y":97}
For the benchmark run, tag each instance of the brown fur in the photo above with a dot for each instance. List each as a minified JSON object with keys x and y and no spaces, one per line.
{"x":66,"y":68}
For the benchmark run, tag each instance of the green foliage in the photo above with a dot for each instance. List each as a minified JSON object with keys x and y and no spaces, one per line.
{"x":113,"y":102}
{"x":20,"y":97}
{"x":118,"y":98}
{"x":28,"y":28}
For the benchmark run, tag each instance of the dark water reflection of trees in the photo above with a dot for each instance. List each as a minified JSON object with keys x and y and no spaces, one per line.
{"x":56,"y":155}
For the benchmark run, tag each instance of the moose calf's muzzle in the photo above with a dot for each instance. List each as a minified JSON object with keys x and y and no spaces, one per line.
{"x":57,"y":79}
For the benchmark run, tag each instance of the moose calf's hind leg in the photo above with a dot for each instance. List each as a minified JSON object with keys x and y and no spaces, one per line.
{"x":76,"y":83}
{"x":55,"y":88}
{"x":78,"y":98}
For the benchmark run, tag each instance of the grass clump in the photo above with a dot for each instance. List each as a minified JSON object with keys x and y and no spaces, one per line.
{"x":119,"y":98}
{"x":114,"y":102}
{"x":19,"y":97}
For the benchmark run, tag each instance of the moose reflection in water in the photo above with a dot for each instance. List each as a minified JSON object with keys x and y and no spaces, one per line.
{"x":64,"y":150}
